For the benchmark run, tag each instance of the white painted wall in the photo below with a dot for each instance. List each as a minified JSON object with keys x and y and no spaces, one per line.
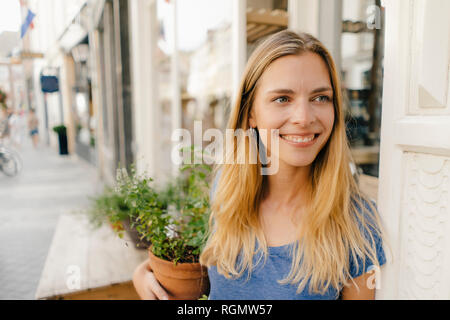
{"x":322,"y":19}
{"x":143,"y":30}
{"x":52,"y":18}
{"x":304,"y":16}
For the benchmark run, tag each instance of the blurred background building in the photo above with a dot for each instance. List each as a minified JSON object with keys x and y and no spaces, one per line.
{"x":130,"y":72}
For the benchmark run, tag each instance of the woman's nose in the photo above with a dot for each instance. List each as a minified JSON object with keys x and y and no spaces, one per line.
{"x":303,"y":114}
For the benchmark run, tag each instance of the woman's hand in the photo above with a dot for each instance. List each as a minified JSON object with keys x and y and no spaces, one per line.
{"x":146,"y":285}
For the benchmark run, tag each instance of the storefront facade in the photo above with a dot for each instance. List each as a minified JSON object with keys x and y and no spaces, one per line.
{"x":109,"y":38}
{"x":89,"y":53}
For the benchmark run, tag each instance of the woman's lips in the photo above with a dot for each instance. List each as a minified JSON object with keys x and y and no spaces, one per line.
{"x":300,"y":141}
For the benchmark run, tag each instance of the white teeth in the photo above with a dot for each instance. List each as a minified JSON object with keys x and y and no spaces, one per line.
{"x":298,"y":138}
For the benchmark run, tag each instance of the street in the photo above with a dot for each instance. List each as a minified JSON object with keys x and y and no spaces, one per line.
{"x":30,"y":205}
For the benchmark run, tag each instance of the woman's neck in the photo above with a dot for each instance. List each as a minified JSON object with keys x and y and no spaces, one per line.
{"x":288,"y":186}
{"x":282,"y":209}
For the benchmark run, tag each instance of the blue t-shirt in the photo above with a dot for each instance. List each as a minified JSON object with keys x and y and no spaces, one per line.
{"x":263,"y":283}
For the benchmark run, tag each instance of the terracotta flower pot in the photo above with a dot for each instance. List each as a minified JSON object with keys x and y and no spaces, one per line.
{"x":183,"y":281}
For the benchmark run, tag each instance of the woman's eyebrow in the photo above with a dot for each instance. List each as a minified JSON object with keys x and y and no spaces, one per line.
{"x":290,"y":91}
{"x":285,"y":91}
{"x":322,"y":89}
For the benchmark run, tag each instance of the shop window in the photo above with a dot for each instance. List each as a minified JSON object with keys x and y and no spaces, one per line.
{"x":362,"y":79}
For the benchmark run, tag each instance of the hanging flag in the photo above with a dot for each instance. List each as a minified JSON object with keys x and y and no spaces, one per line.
{"x":28,"y":21}
{"x":24,"y":11}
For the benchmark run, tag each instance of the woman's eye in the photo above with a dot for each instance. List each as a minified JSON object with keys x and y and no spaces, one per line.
{"x":322,"y":99}
{"x":282,"y":99}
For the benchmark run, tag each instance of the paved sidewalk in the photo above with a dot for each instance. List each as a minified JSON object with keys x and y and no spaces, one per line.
{"x":30,"y":205}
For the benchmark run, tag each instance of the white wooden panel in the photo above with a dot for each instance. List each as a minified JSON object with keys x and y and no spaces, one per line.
{"x":413,"y":195}
{"x":433,"y":75}
{"x":423,"y":133}
{"x":430,"y":59}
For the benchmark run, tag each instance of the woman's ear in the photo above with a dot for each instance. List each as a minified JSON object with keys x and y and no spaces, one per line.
{"x":251,"y":120}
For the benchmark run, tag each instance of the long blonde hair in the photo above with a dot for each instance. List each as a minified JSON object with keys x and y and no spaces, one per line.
{"x":333,"y":227}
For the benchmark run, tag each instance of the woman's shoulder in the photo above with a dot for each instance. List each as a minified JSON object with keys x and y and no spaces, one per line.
{"x":364,"y":207}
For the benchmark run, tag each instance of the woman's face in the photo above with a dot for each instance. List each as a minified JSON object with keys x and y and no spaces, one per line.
{"x":295,"y":96}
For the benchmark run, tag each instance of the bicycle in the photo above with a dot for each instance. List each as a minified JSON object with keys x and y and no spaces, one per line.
{"x":10,"y":161}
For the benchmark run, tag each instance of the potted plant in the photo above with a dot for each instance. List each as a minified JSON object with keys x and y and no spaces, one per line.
{"x":175,"y":222}
{"x":61,"y":130}
{"x":110,"y":207}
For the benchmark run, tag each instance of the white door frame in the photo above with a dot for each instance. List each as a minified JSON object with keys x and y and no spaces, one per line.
{"x":414,"y":188}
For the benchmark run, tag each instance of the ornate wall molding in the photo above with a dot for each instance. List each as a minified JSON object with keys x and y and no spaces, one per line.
{"x":425,"y":210}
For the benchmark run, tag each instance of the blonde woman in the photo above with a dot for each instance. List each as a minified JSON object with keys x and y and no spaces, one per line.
{"x":305,"y":231}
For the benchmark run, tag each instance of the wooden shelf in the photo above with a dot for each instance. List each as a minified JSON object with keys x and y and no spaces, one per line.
{"x":366,"y":155}
{"x":369,"y":186}
{"x":355,"y":27}
{"x":263,"y":22}
{"x":267,"y":17}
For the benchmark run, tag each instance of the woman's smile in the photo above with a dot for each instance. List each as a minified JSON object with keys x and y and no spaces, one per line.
{"x":300,"y":141}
